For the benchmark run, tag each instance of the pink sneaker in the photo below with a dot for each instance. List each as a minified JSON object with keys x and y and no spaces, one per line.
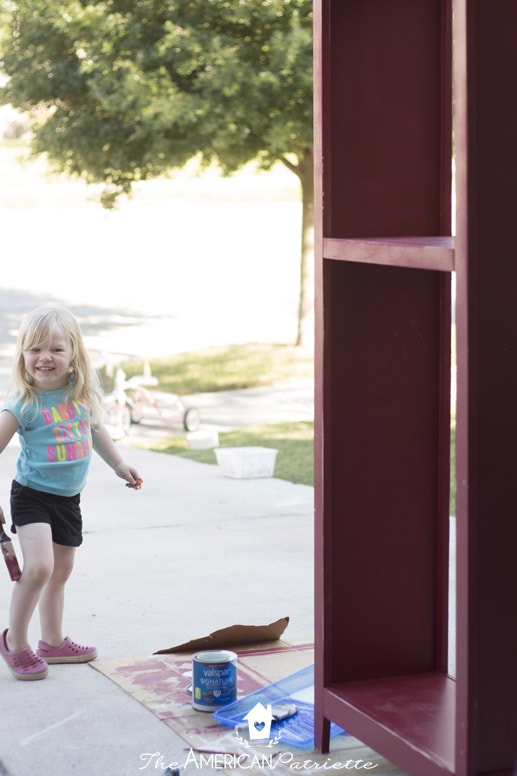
{"x":23,"y":663}
{"x":67,"y":652}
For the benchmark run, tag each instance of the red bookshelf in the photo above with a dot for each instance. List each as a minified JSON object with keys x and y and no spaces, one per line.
{"x":384,"y":74}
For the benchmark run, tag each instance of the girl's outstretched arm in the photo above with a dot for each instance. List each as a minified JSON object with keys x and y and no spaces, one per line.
{"x":109,"y":452}
{"x":8,"y":428}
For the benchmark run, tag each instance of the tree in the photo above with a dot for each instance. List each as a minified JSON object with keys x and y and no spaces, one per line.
{"x":123,"y":91}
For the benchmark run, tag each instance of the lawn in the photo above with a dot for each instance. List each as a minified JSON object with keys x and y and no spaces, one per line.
{"x":226,"y":368}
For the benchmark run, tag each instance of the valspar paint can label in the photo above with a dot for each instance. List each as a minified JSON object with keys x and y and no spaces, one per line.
{"x":214,"y":679}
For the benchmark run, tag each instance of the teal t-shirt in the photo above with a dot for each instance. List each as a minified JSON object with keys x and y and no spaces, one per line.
{"x":56,"y":443}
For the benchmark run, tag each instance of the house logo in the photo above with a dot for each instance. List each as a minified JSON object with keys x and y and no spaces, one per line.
{"x":259,"y":721}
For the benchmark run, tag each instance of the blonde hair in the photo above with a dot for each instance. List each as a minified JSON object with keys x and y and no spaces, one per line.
{"x":36,"y":329}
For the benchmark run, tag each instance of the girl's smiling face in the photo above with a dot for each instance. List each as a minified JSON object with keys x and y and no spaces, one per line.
{"x":48,"y":362}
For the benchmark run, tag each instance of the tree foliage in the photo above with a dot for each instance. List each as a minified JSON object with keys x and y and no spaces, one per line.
{"x":125,"y":90}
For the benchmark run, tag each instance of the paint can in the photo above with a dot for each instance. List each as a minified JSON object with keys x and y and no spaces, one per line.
{"x":214,"y":679}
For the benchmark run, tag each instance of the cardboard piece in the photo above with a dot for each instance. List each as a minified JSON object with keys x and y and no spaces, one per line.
{"x":160,"y":684}
{"x":231,"y":637}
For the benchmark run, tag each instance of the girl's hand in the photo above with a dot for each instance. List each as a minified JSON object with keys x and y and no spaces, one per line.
{"x":137,"y":485}
{"x":2,"y":516}
{"x":128,"y":473}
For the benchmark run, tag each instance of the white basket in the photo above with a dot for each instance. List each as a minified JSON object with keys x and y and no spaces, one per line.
{"x":244,"y":462}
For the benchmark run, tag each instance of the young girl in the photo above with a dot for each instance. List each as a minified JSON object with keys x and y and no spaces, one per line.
{"x":56,"y":410}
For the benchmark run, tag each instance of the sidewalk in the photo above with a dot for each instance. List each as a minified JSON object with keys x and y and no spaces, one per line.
{"x":191,"y":552}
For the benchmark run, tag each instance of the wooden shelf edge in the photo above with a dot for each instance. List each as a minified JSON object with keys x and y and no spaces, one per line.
{"x":410,"y":720}
{"x":434,"y":253}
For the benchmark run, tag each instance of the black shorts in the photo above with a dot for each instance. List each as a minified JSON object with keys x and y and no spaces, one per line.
{"x":62,"y":513}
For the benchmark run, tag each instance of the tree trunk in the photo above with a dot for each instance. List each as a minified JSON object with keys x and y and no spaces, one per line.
{"x":305,"y":331}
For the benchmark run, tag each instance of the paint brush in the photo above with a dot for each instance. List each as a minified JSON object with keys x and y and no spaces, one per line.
{"x":8,"y":551}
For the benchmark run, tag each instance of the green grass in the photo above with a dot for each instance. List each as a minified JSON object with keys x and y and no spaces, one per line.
{"x":294,"y":442}
{"x":225,"y":368}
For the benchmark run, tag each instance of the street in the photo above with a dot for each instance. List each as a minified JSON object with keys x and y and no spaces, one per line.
{"x":188,"y":262}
